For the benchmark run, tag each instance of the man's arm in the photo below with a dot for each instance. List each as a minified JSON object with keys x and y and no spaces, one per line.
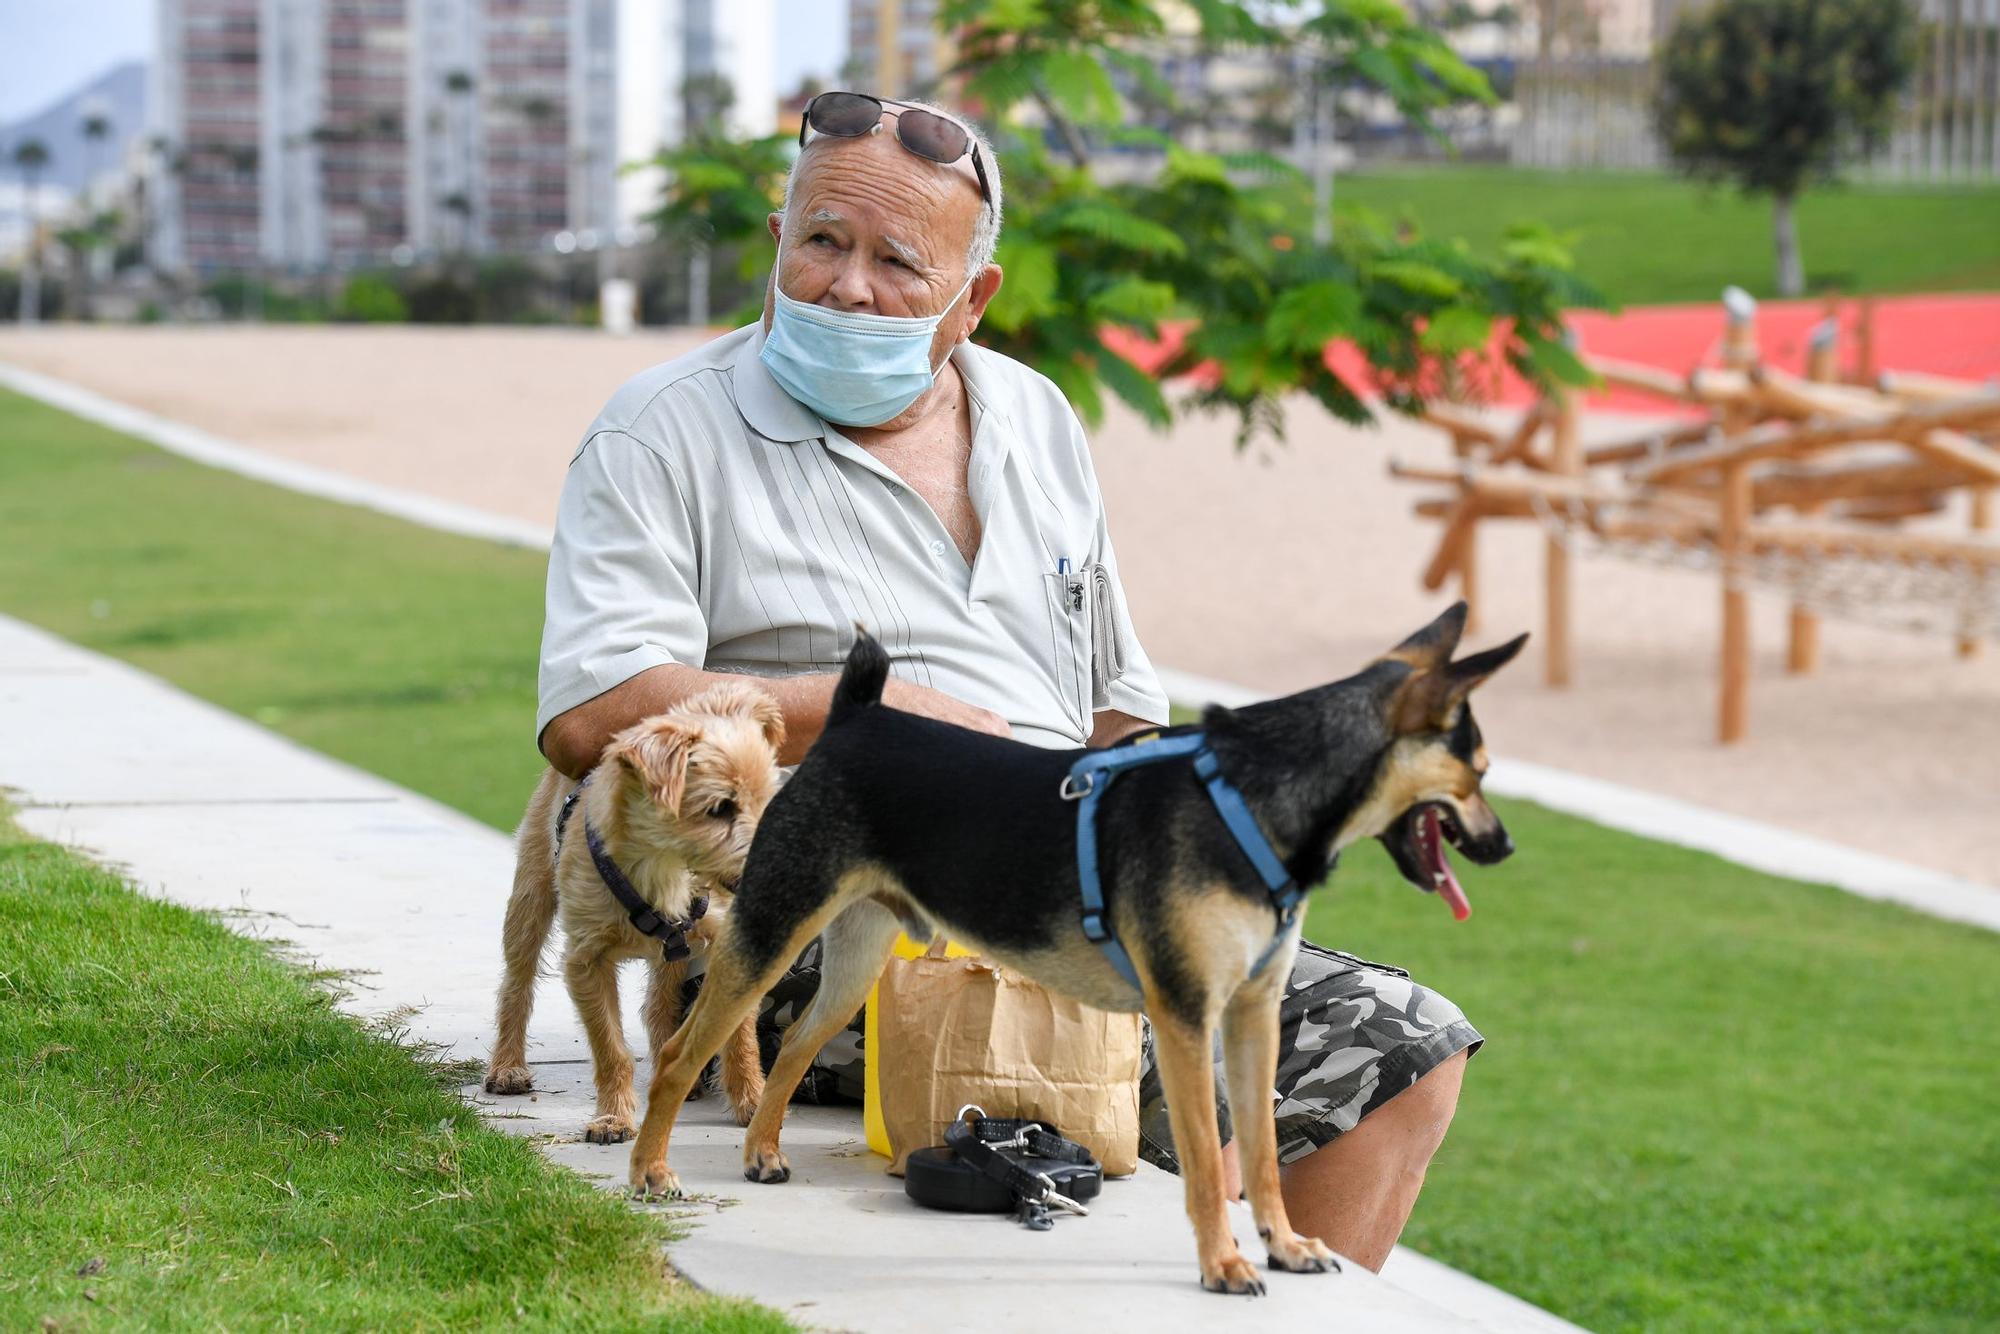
{"x":1110,"y":727}
{"x":572,"y":741}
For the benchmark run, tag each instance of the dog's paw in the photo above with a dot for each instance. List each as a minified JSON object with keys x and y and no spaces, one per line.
{"x":611,"y":1128}
{"x":654,"y":1181}
{"x":767,"y":1167}
{"x":509,"y":1079}
{"x":1303,"y":1255}
{"x":1233,"y":1274}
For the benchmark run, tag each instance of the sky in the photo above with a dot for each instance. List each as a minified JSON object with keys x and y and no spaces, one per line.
{"x":50,"y":47}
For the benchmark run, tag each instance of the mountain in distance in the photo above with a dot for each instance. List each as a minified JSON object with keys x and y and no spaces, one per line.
{"x":120,"y":92}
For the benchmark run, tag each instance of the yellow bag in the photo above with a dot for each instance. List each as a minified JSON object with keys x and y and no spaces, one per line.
{"x":871,"y":1045}
{"x":959,"y":1030}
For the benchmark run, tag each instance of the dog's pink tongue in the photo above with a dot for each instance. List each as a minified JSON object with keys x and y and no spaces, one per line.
{"x":1445,"y":882}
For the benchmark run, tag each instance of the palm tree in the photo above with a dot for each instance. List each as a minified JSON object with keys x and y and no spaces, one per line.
{"x":96,"y":129}
{"x":31,"y":155}
{"x":461,"y":85}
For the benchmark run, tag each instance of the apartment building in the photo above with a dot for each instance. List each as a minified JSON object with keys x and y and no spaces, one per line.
{"x":208,"y":178}
{"x":894,"y":47}
{"x":312,"y":134}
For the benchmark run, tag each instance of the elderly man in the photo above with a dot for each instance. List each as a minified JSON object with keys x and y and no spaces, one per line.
{"x":853,"y":457}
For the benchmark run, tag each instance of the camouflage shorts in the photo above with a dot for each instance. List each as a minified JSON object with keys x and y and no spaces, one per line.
{"x":1352,"y":1035}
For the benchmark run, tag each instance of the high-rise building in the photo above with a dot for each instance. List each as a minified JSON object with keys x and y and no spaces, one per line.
{"x":208,"y":174}
{"x":306,"y":134}
{"x":894,"y":47}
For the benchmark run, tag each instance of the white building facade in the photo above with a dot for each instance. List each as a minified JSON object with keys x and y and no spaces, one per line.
{"x":312,"y":134}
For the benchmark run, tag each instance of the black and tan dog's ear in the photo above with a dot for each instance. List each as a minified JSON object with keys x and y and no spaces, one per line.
{"x":657,"y":753}
{"x":1468,"y":674}
{"x":1427,"y":699}
{"x":1431,"y":647}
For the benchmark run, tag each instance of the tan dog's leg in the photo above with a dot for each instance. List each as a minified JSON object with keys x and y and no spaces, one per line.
{"x":664,"y":983}
{"x":742,"y":1070}
{"x":853,"y":951}
{"x":1250,"y":1057}
{"x":530,"y":911}
{"x":1188,"y":1078}
{"x":593,"y":985}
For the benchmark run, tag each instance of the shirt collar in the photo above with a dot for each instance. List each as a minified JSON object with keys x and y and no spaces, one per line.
{"x":770,"y":411}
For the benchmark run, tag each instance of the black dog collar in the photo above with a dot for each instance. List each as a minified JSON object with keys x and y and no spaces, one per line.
{"x":671,"y":932}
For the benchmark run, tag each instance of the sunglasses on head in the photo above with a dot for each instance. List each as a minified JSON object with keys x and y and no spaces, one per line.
{"x":927,"y":134}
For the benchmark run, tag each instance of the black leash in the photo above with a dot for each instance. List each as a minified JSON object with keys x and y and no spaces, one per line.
{"x":998,"y":1146}
{"x":671,"y":932}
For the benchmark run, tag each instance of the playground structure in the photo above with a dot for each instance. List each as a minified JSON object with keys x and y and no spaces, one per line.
{"x":1861,"y":494}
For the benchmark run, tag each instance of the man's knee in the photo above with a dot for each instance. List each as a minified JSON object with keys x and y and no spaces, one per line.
{"x":1422,"y":1112}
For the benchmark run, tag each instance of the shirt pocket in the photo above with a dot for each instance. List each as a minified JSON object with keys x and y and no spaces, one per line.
{"x":1071,"y":609}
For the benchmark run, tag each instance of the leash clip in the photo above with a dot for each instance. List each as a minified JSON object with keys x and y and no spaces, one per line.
{"x":1052,"y":1196}
{"x":1071,"y":792}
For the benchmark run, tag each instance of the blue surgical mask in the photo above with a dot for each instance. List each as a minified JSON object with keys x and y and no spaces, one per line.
{"x":851,"y":367}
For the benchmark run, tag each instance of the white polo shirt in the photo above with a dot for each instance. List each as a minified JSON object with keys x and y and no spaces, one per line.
{"x":712,"y":520}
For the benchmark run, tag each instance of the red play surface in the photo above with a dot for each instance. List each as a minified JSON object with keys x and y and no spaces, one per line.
{"x":1957,"y":336}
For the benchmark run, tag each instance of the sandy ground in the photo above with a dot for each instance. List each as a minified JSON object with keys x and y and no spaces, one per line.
{"x":1278,"y":568}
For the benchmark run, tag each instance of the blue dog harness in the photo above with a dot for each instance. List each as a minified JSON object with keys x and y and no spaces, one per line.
{"x":1091,"y":776}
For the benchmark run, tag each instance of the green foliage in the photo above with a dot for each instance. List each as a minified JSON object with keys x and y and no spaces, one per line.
{"x":369,"y":299}
{"x":239,"y":296}
{"x":1769,"y":95}
{"x":1209,"y":265}
{"x":1215,"y":255}
{"x":721,"y":190}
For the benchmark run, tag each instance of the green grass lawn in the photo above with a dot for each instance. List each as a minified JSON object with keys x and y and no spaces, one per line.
{"x":191,"y":1137}
{"x":1711,"y":1098}
{"x":1646,"y":238}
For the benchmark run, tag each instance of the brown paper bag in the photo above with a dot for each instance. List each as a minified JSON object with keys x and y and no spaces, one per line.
{"x":954,"y":1031}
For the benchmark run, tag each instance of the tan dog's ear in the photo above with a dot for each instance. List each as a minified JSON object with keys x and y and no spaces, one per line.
{"x":747,"y":701}
{"x":764,"y":711}
{"x":657,"y":754}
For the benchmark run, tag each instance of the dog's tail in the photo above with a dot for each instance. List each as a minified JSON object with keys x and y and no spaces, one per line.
{"x":861,"y":680}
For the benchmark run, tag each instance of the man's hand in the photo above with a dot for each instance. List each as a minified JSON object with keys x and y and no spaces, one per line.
{"x":922,"y":700}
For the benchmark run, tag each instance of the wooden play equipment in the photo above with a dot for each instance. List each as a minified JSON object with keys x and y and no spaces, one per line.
{"x":1844,"y":492}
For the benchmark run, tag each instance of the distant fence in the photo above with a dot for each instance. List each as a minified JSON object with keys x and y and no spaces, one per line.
{"x":1596,"y":111}
{"x":1586,"y":111}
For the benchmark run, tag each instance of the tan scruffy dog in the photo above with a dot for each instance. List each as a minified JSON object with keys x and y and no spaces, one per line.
{"x":672,"y":805}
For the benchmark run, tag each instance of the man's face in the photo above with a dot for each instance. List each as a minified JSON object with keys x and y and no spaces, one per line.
{"x":880,"y":230}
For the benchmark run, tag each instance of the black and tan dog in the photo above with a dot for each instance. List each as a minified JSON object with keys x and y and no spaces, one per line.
{"x":897,"y":821}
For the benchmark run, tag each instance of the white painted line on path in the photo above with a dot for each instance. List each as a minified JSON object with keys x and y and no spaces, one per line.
{"x":201,"y":447}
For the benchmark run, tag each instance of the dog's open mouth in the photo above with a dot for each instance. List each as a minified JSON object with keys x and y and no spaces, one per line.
{"x":1418,"y":843}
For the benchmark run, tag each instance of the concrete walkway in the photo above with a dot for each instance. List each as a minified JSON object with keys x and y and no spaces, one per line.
{"x":209,"y":810}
